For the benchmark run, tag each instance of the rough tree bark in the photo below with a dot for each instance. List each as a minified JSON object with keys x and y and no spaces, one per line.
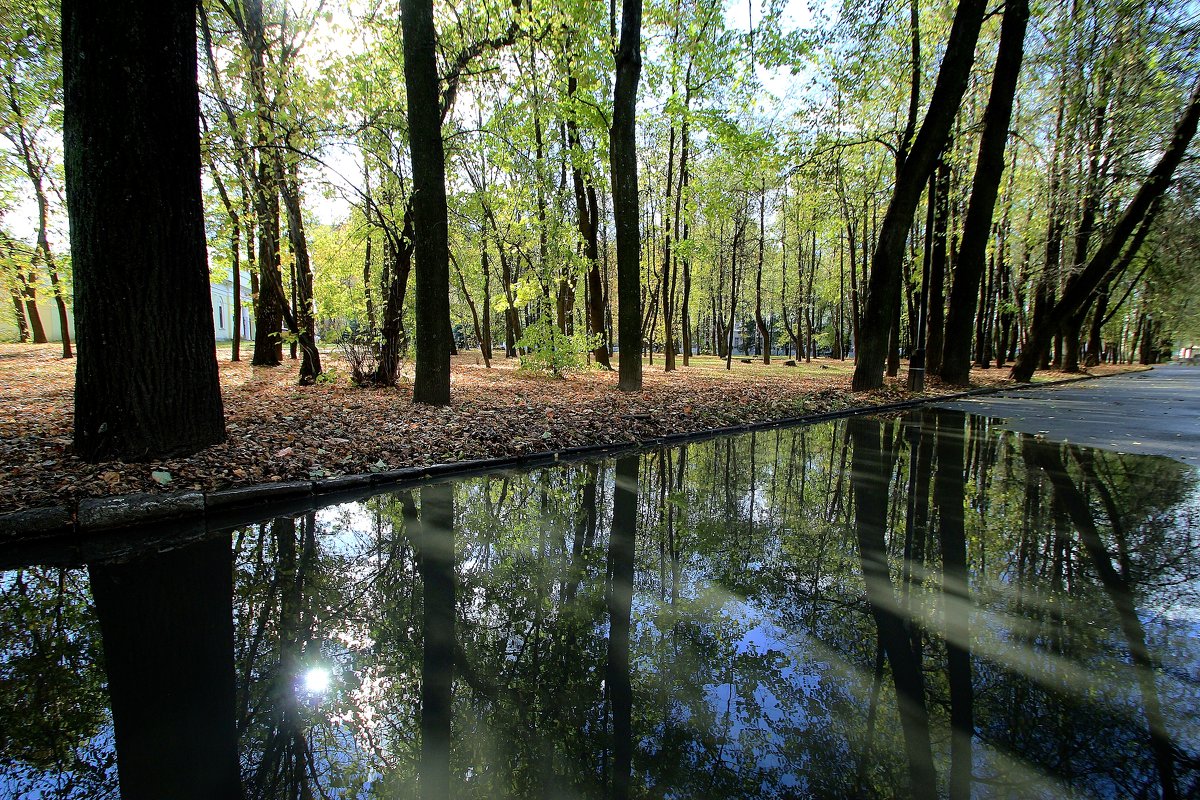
{"x":146,"y":380}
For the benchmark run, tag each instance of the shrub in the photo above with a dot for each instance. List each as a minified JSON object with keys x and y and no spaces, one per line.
{"x":547,"y":349}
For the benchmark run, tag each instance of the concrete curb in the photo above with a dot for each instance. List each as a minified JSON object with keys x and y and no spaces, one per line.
{"x":229,"y":508}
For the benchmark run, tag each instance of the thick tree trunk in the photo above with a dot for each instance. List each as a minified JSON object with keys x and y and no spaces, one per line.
{"x":146,"y":382}
{"x":431,"y":383}
{"x":889,"y":250}
{"x":1078,"y":293}
{"x":972,"y":251}
{"x":623,"y":162}
{"x":434,"y":544}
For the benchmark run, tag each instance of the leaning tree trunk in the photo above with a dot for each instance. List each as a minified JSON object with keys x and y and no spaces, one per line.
{"x":972,"y":251}
{"x":146,"y":381}
{"x":623,"y":162}
{"x":889,"y":250}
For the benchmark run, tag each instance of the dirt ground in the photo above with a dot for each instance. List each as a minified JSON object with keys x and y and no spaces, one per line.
{"x":279,"y":431}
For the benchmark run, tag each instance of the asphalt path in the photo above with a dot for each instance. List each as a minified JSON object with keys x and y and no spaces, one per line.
{"x":1150,"y":413}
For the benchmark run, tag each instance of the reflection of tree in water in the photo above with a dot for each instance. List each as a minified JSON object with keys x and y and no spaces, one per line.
{"x":757,"y":665}
{"x":55,"y":727}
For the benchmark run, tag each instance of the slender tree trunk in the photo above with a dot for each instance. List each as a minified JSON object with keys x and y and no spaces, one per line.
{"x":623,"y":158}
{"x":19,"y":316}
{"x":949,"y":497}
{"x":989,"y":168}
{"x":936,"y":304}
{"x":764,"y":334}
{"x":304,"y":323}
{"x":622,"y":548}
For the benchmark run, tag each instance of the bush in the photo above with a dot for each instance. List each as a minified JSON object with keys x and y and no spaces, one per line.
{"x":547,"y":349}
{"x":360,"y":349}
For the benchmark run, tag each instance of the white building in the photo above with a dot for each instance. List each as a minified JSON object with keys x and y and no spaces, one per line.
{"x":220,"y":293}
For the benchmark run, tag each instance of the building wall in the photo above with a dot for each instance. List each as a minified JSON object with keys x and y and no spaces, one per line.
{"x":221,"y":295}
{"x":47,"y":310}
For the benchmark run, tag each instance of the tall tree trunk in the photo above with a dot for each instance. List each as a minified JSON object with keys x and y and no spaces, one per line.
{"x":588,"y":216}
{"x":870,"y":478}
{"x":949,"y":497}
{"x":397,"y":259}
{"x":623,"y":158}
{"x":304,"y":323}
{"x":622,"y":547}
{"x":764,"y":334}
{"x":435,"y":561}
{"x":146,"y":382}
{"x":889,"y":250}
{"x":936,"y":305}
{"x":431,"y":383}
{"x":972,"y":251}
{"x":681,"y":210}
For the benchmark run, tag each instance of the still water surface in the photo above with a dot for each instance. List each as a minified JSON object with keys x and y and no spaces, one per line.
{"x":875,"y":607}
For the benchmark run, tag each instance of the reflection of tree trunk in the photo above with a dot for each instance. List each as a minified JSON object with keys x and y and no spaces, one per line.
{"x":949,"y":493}
{"x":1120,"y":593}
{"x":870,"y":477}
{"x":435,"y":560}
{"x":585,"y":533}
{"x":620,"y":605}
{"x":169,"y":658}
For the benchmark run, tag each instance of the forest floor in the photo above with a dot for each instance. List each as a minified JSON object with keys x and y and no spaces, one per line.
{"x":278,"y":431}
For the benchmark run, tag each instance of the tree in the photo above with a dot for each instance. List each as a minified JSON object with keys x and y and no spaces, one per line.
{"x":432,"y":381}
{"x":910,"y":181}
{"x":1079,"y":291}
{"x":30,"y":110}
{"x":626,"y":204}
{"x":146,"y":382}
{"x":956,"y":353}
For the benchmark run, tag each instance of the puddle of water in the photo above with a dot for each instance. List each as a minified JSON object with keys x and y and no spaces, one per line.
{"x":916,"y":606}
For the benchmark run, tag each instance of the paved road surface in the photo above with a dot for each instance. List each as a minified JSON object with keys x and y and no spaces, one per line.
{"x":1152,"y":413}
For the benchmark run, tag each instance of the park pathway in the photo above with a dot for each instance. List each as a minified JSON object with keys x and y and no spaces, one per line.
{"x":1151,"y":413}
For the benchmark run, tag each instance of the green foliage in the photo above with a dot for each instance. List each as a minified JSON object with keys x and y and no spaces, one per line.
{"x":545,"y":348}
